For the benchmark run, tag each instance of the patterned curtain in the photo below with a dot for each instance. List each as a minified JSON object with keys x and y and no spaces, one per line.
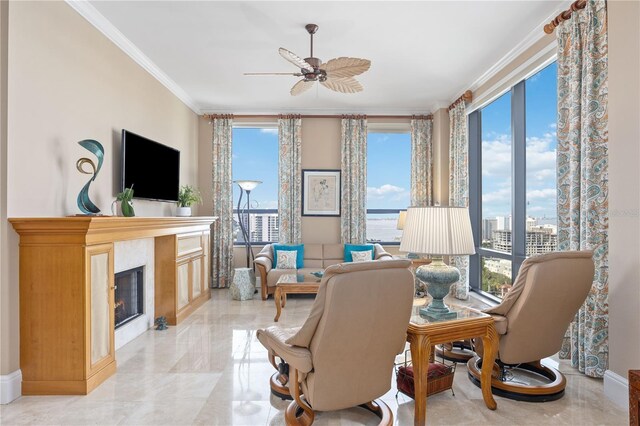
{"x":459,"y":185}
{"x":290,"y":175}
{"x":353,"y":206}
{"x":583,"y":174}
{"x":222,"y":238}
{"x":421,"y":162}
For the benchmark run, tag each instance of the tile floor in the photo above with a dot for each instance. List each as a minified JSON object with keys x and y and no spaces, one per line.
{"x":211,"y":370}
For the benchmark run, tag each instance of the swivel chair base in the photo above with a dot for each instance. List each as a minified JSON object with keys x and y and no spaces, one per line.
{"x":551,"y":388}
{"x":279,"y":381}
{"x":278,"y":389}
{"x":303,"y":416}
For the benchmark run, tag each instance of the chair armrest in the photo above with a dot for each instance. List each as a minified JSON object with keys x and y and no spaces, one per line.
{"x":265,"y":262}
{"x":500,"y":322}
{"x":273,"y":338}
{"x":380,"y":253}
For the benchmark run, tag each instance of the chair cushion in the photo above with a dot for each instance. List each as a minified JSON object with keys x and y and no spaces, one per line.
{"x":274,"y":274}
{"x":348,"y":248}
{"x":298,"y":247}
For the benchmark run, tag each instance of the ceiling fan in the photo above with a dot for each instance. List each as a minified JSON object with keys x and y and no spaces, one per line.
{"x":336,"y":74}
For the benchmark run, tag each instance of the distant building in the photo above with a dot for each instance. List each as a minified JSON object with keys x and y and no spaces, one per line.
{"x":488,"y":226}
{"x":264,"y":227}
{"x":498,"y":266}
{"x":503,"y":223}
{"x":540,"y":240}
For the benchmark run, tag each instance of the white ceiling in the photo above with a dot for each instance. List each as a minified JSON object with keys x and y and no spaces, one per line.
{"x":423,"y":54}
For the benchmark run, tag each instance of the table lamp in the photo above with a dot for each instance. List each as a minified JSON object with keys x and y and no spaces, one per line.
{"x":438,"y":231}
{"x":246,"y":186}
{"x":402,"y":217}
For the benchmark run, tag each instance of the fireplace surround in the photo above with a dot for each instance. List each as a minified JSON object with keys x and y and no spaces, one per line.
{"x":129,"y":296}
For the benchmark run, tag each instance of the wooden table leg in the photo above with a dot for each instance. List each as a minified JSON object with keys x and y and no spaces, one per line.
{"x":420,"y":352}
{"x":277,"y":297}
{"x":490,"y":343}
{"x":284,"y":299}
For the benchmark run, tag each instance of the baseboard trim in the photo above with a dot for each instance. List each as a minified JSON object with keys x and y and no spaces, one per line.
{"x":616,"y":388}
{"x":10,"y":387}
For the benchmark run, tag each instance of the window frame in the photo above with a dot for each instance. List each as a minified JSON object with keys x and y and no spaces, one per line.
{"x":394,"y":128}
{"x":254,"y":125}
{"x":518,"y":186}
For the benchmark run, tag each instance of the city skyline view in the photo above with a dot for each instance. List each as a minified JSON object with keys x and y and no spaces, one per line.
{"x":255,"y":156}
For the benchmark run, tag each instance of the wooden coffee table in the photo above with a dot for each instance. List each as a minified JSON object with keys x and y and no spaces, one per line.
{"x":293,"y":283}
{"x":423,"y":333}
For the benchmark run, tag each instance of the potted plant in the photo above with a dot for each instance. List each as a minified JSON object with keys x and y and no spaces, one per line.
{"x":126,"y":203}
{"x":187,"y":196}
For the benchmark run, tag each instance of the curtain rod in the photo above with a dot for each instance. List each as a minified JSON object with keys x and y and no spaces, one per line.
{"x":465,"y":97}
{"x":564,"y":16}
{"x":211,"y":116}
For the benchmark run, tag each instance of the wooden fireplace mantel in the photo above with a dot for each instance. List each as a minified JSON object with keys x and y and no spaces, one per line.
{"x":103,"y":229}
{"x":67,"y":291}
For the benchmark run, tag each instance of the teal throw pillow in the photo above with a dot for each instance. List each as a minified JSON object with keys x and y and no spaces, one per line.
{"x":299,"y":248}
{"x":348,"y":248}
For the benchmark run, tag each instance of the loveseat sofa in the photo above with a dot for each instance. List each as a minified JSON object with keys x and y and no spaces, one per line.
{"x":317,"y":257}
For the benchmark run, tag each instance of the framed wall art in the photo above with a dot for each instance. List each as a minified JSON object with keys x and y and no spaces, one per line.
{"x":320,"y":192}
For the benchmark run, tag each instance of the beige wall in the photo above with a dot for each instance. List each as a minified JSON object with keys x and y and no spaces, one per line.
{"x":320,"y":150}
{"x":67,"y":82}
{"x":8,"y":310}
{"x":624,"y":186}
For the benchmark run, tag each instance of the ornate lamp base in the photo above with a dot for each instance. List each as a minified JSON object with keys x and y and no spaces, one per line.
{"x":439,"y":277}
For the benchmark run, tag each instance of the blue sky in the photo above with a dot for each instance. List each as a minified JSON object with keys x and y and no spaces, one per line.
{"x":255,"y":156}
{"x":541,"y":118}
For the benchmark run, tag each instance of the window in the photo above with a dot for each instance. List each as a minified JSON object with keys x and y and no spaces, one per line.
{"x":388,"y":184}
{"x":255,"y":157}
{"x":512,"y":169}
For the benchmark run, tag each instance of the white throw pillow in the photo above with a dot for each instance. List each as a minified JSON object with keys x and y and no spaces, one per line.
{"x":287,"y":259}
{"x":361,"y":256}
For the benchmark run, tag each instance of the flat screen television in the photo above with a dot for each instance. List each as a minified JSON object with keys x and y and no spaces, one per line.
{"x":151,"y":168}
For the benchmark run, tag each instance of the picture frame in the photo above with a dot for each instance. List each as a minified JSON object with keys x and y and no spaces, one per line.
{"x":321,"y":192}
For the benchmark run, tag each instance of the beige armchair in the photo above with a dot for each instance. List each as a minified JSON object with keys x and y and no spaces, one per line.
{"x":532,"y":320}
{"x":343,"y":355}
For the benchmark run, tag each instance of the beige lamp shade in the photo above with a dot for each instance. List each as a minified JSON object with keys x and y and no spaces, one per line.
{"x":401,"y":218}
{"x":438,"y":231}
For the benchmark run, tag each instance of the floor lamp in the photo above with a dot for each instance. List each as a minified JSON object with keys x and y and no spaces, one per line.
{"x":246,"y":186}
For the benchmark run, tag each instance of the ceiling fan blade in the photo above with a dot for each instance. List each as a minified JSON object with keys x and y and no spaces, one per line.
{"x":344,"y":67}
{"x":297,"y":74}
{"x":301,"y":86}
{"x":295,"y":59}
{"x":343,"y":85}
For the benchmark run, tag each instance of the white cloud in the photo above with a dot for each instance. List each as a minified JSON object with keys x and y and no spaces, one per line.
{"x":270,"y":204}
{"x":500,"y":196}
{"x":541,"y":194}
{"x":269,"y":131}
{"x":553,"y":125}
{"x":384,"y":191}
{"x":496,"y":157}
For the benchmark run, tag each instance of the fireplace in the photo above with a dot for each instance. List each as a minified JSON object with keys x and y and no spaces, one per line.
{"x":129,"y":295}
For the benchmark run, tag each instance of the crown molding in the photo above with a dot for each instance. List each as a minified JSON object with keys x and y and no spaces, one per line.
{"x":534,"y":36}
{"x":102,"y":24}
{"x":320,"y":111}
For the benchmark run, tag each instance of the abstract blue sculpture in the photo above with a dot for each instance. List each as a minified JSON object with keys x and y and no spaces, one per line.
{"x":84,"y":203}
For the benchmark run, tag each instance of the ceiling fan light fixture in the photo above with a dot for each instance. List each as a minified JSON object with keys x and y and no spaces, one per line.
{"x":336,"y":74}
